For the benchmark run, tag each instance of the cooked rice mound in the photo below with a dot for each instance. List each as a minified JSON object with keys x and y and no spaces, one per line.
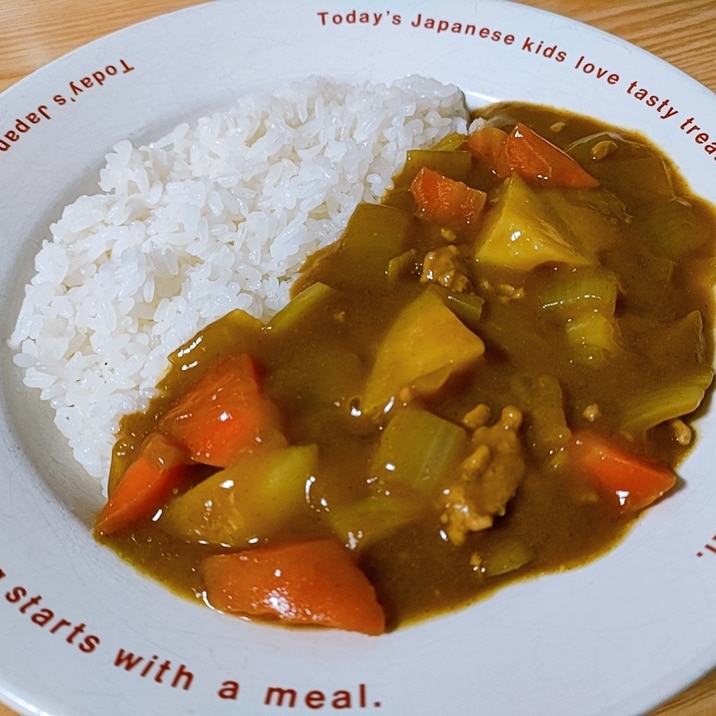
{"x":211,"y":217}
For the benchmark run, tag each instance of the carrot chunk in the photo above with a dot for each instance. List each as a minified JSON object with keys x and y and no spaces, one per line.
{"x":537,"y":159}
{"x":632,"y":482}
{"x":487,"y":145}
{"x":160,"y":471}
{"x":224,"y":414}
{"x":309,"y":583}
{"x":441,"y":199}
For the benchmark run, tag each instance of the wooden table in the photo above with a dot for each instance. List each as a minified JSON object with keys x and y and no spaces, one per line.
{"x":34,"y":32}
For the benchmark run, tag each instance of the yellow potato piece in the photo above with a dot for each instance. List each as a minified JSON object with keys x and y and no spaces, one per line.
{"x":521,"y":232}
{"x":424,"y":347}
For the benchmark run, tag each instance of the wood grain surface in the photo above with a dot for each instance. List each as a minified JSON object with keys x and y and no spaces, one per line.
{"x":683,"y":32}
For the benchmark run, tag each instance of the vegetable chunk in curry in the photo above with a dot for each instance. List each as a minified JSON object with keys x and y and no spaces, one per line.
{"x":489,"y":376}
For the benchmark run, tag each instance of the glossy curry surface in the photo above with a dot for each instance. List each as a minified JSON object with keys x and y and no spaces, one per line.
{"x":598,"y":323}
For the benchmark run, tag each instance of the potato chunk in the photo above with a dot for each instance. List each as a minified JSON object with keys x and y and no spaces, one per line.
{"x":423,"y":348}
{"x":521,"y":232}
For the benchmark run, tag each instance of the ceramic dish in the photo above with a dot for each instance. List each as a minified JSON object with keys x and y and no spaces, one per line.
{"x":616,"y":637}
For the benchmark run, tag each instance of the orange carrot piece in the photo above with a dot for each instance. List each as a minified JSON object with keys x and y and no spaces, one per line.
{"x":224,"y":414}
{"x":160,"y":471}
{"x":631,"y":481}
{"x":537,"y":159}
{"x":487,"y":145}
{"x":308,"y":583}
{"x":446,"y":201}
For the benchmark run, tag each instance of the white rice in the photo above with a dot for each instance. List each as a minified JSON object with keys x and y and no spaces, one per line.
{"x":210,"y":217}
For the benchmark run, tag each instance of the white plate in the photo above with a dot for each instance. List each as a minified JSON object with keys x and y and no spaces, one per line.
{"x":616,"y":637}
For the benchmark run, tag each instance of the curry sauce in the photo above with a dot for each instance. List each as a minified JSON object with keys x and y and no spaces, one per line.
{"x":430,"y":379}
